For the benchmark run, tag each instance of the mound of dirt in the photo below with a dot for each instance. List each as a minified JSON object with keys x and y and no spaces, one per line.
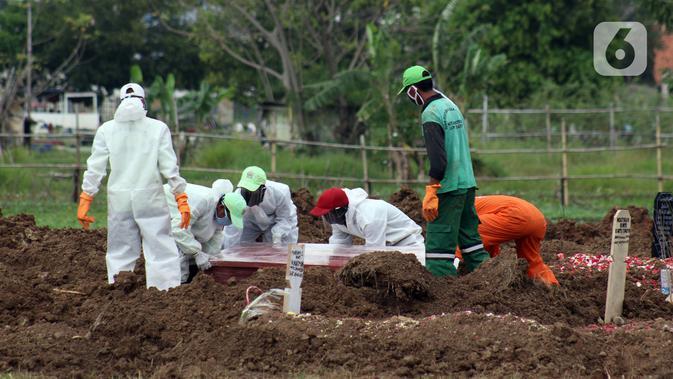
{"x":596,"y":236}
{"x":59,"y":317}
{"x":407,"y":201}
{"x":394,"y":275}
{"x":311,"y":229}
{"x":501,"y":286}
{"x":551,"y":248}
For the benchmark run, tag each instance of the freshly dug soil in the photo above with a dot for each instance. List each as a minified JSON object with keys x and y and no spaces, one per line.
{"x":551,"y":248}
{"x":407,"y":201}
{"x":394,"y":275}
{"x":311,"y":229}
{"x":596,"y":237}
{"x":59,"y":317}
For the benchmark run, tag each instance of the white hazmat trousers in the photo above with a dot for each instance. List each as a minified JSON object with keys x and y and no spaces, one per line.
{"x":204,"y":234}
{"x":378,"y":222}
{"x":276,"y":216}
{"x":140,"y":152}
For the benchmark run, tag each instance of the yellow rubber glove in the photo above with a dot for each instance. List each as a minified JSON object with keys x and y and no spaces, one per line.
{"x":183,"y":208}
{"x":84,"y":204}
{"x":431,"y":202}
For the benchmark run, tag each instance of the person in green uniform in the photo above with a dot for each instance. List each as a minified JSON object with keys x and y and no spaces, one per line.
{"x":448,"y":206}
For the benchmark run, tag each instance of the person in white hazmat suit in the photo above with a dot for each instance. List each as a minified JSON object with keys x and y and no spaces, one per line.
{"x":140,"y":153}
{"x":351,"y":213}
{"x":270,"y":213}
{"x":212,"y":209}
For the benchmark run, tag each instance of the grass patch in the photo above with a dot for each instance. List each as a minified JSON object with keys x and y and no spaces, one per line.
{"x":47,"y":193}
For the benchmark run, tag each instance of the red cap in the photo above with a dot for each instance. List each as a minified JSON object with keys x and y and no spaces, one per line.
{"x":330,"y":199}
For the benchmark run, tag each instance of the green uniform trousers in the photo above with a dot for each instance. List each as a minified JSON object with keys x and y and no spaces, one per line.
{"x":455,"y":225}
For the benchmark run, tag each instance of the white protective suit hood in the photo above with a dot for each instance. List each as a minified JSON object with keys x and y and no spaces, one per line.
{"x":130,"y":109}
{"x":378,"y":222}
{"x":220,"y":187}
{"x":355,"y":197}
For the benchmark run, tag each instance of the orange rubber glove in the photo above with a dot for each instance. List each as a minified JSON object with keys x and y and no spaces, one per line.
{"x":84,"y":204}
{"x":183,"y":207}
{"x":431,"y":202}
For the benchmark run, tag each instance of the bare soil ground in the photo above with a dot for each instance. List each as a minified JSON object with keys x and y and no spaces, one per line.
{"x":382,"y":315}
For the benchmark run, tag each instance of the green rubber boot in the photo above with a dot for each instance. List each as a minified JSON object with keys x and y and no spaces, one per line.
{"x":441,"y":267}
{"x":475,"y":259}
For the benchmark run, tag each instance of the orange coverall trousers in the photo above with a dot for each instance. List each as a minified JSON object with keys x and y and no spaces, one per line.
{"x":507,"y":218}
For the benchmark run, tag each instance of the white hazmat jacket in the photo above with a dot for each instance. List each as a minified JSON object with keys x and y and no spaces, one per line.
{"x":203,"y":234}
{"x":140,"y":153}
{"x":276,"y":215}
{"x":378,"y":222}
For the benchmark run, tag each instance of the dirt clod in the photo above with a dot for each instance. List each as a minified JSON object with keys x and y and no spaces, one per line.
{"x":392,"y":274}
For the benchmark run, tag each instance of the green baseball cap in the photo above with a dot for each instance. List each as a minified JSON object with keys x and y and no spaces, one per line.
{"x":413,"y":75}
{"x":251,"y":178}
{"x":236,"y":206}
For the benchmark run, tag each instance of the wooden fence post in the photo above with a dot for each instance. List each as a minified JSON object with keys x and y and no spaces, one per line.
{"x":660,"y":176}
{"x":613,"y":136}
{"x":273,"y":158}
{"x":484,"y":119}
{"x":78,"y":155}
{"x":565,"y":197}
{"x":548,"y":125}
{"x":365,"y":168}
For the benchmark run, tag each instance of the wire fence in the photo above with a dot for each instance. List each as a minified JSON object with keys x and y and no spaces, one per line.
{"x":602,"y":126}
{"x":560,"y":129}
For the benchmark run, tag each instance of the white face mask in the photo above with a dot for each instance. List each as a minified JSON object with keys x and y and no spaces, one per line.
{"x":130,"y":109}
{"x":414,"y":96}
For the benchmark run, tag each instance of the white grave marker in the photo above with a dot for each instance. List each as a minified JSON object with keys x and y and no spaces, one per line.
{"x":619,"y":249}
{"x":294,"y":274}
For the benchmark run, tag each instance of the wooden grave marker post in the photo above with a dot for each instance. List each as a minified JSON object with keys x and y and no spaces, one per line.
{"x":619,"y":249}
{"x":294,"y":274}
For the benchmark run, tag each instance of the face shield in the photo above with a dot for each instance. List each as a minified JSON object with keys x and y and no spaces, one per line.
{"x":336,"y":216}
{"x":253,"y":198}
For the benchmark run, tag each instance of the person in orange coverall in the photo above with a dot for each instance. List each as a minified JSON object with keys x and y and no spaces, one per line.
{"x":507,"y":218}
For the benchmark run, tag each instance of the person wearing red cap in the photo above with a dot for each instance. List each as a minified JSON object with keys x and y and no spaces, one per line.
{"x":351,"y":213}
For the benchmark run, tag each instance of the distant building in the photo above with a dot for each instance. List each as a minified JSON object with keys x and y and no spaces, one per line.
{"x":663,"y":56}
{"x":67,"y":110}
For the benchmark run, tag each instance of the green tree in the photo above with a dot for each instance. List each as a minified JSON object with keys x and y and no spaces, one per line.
{"x":544,"y":42}
{"x":60,"y":35}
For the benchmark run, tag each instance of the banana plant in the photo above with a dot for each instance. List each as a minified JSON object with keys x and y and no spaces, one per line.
{"x":164,"y":91}
{"x":201,"y":102}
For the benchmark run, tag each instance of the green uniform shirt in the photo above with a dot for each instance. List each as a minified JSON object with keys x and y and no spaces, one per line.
{"x":442,"y":118}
